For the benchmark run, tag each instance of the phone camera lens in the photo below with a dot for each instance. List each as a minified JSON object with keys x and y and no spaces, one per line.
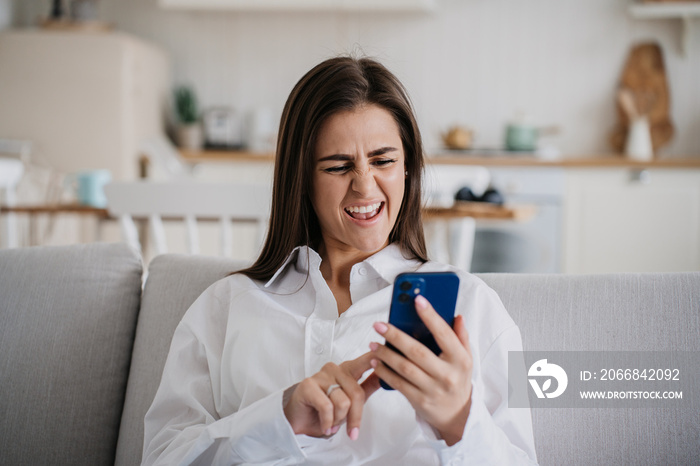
{"x":405,"y":286}
{"x":404,"y":298}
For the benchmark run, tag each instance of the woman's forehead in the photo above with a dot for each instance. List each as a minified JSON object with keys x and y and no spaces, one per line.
{"x":368,"y":128}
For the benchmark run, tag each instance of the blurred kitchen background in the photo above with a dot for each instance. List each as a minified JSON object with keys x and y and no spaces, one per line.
{"x":585,"y":114}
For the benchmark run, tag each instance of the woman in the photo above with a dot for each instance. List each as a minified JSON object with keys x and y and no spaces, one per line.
{"x":280,"y":363}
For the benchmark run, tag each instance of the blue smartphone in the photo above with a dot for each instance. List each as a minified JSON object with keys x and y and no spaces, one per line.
{"x":439,"y":288}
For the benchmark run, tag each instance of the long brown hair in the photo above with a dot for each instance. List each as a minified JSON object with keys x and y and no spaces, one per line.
{"x":337,"y":84}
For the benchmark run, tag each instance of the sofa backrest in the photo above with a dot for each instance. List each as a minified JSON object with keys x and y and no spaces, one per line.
{"x":621,"y":312}
{"x":554,"y":312}
{"x":174,"y":282}
{"x":67,"y":323}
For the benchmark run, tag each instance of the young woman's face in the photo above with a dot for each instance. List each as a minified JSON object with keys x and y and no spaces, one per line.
{"x":358,"y":180}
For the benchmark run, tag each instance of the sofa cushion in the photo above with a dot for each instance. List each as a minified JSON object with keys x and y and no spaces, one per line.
{"x":554,"y":312}
{"x":67,"y":323}
{"x":621,"y":312}
{"x":174,"y":282}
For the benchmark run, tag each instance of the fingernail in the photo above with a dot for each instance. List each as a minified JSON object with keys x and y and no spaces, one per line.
{"x":421,"y":302}
{"x":373,"y":363}
{"x":354,"y":433}
{"x":374,"y":346}
{"x":327,"y":432}
{"x":380,"y":327}
{"x":335,"y":430}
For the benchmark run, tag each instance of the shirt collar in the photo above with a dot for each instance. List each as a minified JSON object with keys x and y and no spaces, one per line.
{"x":387,"y":263}
{"x":303,"y":257}
{"x":390,"y":261}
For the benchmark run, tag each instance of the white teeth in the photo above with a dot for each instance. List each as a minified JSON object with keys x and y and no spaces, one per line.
{"x":364,"y":209}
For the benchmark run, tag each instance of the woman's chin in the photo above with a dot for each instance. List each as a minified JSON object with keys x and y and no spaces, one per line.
{"x":371,"y":246}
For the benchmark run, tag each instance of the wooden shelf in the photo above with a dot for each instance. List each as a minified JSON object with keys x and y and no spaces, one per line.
{"x":226,"y":156}
{"x":480,"y":211}
{"x":610,"y":161}
{"x":55,"y":209}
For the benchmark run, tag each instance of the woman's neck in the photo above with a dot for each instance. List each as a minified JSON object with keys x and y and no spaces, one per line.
{"x":336,"y":266}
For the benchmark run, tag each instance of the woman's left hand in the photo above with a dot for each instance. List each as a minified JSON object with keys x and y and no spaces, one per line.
{"x":438,"y":387}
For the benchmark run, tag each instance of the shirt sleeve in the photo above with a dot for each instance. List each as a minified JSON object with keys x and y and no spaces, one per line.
{"x":494,"y":433}
{"x":182,"y":425}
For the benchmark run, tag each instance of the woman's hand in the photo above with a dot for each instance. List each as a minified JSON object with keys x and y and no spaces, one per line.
{"x":315,"y":411}
{"x":438,"y":387}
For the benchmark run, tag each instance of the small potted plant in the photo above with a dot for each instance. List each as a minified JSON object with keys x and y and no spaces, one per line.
{"x":189,"y":130}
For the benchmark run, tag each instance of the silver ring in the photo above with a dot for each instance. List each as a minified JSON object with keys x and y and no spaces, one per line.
{"x":331,"y":388}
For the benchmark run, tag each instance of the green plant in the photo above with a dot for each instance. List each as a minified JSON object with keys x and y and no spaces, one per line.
{"x":186,"y":105}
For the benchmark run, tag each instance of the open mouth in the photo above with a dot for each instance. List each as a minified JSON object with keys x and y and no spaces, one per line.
{"x":365,"y":212}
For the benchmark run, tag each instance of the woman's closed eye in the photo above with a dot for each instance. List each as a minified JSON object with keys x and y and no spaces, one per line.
{"x":383,"y":162}
{"x":340,"y":169}
{"x":337,"y":169}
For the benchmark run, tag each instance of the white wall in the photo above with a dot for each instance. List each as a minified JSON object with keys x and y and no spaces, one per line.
{"x":474,"y":62}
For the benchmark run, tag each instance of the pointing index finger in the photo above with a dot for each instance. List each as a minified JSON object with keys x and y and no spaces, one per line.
{"x":360,"y":365}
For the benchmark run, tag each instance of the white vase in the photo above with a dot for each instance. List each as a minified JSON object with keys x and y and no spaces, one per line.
{"x":638,"y":146}
{"x":190,"y":136}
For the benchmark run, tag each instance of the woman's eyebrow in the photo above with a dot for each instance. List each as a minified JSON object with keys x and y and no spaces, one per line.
{"x":346,"y":157}
{"x":336,"y":157}
{"x":382,"y":151}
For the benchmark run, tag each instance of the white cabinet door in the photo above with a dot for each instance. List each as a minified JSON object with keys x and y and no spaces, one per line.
{"x":624,"y":220}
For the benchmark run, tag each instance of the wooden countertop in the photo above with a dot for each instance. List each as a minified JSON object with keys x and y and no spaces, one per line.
{"x":480,"y":211}
{"x":456,"y":158}
{"x":477,"y":210}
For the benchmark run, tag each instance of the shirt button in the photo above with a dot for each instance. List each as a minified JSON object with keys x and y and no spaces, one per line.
{"x":320,"y":349}
{"x":362,"y":271}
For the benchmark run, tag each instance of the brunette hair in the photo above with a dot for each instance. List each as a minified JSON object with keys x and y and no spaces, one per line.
{"x":335,"y":85}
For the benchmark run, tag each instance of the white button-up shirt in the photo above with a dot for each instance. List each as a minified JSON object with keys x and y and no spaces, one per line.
{"x":243,"y":342}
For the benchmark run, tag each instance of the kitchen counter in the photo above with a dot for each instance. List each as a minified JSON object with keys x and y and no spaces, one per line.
{"x":524,"y":160}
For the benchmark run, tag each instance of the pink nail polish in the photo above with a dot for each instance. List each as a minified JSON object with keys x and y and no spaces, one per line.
{"x":374,"y":346}
{"x":335,"y":430}
{"x":380,"y":327}
{"x":421,"y":302}
{"x":327,"y":432}
{"x":373,"y":363}
{"x":354,"y":433}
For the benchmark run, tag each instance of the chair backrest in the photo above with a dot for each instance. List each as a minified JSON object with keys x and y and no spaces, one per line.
{"x":189,"y":201}
{"x":11,"y":171}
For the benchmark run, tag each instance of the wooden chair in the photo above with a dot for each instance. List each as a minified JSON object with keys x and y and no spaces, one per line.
{"x":450,"y":239}
{"x":11,"y":171}
{"x":189,"y":201}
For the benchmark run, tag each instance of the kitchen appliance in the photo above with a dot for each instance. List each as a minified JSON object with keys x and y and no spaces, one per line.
{"x":222,"y":128}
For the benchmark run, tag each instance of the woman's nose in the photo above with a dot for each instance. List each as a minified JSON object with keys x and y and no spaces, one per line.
{"x":363,"y":181}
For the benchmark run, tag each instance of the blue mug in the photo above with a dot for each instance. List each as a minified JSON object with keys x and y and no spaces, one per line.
{"x":89,"y":186}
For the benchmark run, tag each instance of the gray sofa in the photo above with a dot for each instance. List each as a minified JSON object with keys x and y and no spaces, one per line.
{"x":82,"y":349}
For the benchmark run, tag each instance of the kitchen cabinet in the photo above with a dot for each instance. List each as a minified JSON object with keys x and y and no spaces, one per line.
{"x":682,"y":10}
{"x":86,"y":101}
{"x":300,"y":5}
{"x":632,"y":220}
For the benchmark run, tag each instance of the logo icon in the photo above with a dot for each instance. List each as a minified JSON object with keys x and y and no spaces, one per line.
{"x":543,"y":369}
